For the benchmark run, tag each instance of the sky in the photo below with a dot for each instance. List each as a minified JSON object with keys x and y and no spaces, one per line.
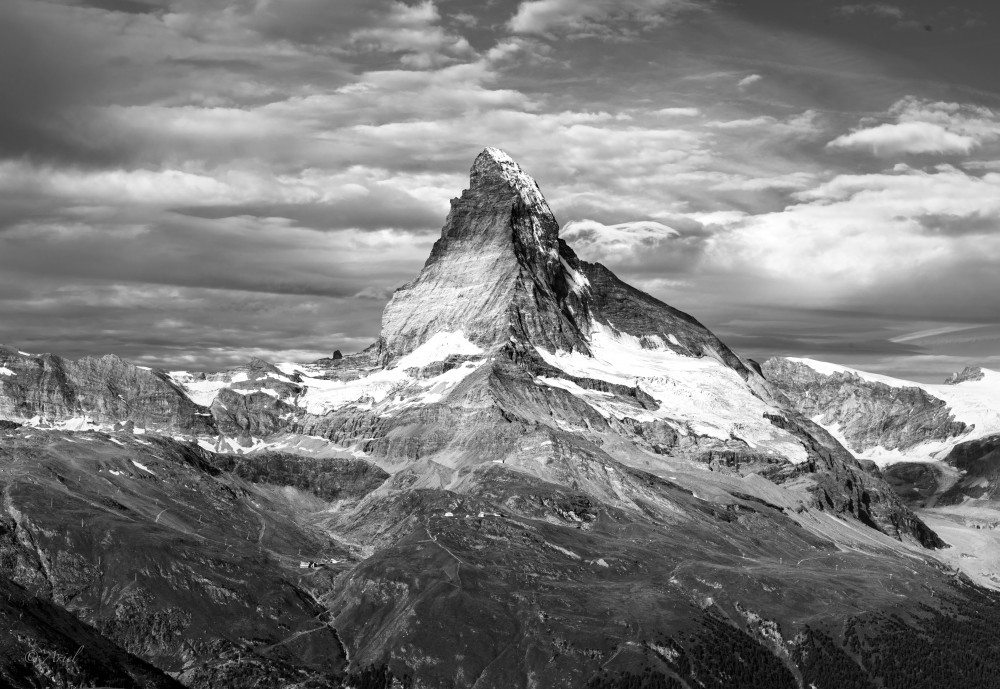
{"x":188,"y":183}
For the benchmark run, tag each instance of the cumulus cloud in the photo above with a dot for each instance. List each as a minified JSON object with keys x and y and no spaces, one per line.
{"x":925,"y":127}
{"x":640,"y":247}
{"x":593,"y":17}
{"x":414,"y":31}
{"x":905,"y":137}
{"x":868,"y":241}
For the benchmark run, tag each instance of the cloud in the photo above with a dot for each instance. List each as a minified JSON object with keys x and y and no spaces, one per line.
{"x":679,"y":112}
{"x":414,"y":31}
{"x":602,"y":18}
{"x":905,"y":137}
{"x":748,"y":81}
{"x":925,"y":127}
{"x":640,"y":247}
{"x":874,"y":240}
{"x":875,"y":9}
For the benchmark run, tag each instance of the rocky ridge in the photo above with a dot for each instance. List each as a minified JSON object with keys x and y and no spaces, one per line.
{"x":94,"y":392}
{"x":866,"y":413}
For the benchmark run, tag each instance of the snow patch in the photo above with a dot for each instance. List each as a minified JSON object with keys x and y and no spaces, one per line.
{"x":145,"y":468}
{"x":709,"y":396}
{"x":4,"y":371}
{"x":393,"y":389}
{"x":578,"y":282}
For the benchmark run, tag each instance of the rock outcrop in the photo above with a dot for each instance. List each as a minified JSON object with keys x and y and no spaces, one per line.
{"x":967,"y":374}
{"x":978,"y":462}
{"x":868,"y":414}
{"x":93,"y":391}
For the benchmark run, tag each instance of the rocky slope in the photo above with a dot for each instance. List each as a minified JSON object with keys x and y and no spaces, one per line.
{"x":95,"y":392}
{"x":43,"y":645}
{"x":187,"y":559}
{"x":868,"y":414}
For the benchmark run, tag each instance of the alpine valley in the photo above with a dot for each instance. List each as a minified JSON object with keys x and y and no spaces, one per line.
{"x":537,"y":476}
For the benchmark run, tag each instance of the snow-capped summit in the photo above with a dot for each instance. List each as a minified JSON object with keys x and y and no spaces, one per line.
{"x":514,"y":175}
{"x":500,"y":274}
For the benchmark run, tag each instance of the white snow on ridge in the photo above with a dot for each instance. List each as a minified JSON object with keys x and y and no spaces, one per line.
{"x":203,"y":392}
{"x":145,"y":468}
{"x":974,"y":402}
{"x":518,"y":179}
{"x":703,"y":392}
{"x":381,"y":388}
{"x":291,"y":369}
{"x":578,"y":282}
{"x":4,"y":371}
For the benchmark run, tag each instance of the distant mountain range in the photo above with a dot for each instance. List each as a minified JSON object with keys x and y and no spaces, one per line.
{"x":536,"y":476}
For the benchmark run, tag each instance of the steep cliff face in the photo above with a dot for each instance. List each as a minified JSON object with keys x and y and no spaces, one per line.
{"x":95,"y":392}
{"x":978,"y":462}
{"x":495,"y":273}
{"x":891,"y":420}
{"x":866,"y":413}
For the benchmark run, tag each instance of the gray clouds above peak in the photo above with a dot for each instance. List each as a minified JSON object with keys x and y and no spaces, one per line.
{"x":250,"y":155}
{"x":606,"y":19}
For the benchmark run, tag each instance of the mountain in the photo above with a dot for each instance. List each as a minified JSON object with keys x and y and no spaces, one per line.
{"x":94,"y":392}
{"x":536,"y":476}
{"x":889,"y":419}
{"x":919,"y":433}
{"x":936,"y":444}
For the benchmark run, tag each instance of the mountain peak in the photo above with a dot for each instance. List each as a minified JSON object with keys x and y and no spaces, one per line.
{"x":496,"y":163}
{"x":499,"y":276}
{"x":496,"y":273}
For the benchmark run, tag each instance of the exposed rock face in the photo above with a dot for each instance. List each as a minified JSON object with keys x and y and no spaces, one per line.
{"x":326,"y":478}
{"x":105,"y":390}
{"x":979,"y":463}
{"x":869,"y":414}
{"x":967,"y":374}
{"x":257,"y":414}
{"x":494,"y":274}
{"x":842,"y":484}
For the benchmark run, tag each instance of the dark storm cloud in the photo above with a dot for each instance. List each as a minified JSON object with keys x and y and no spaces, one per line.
{"x":48,"y":69}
